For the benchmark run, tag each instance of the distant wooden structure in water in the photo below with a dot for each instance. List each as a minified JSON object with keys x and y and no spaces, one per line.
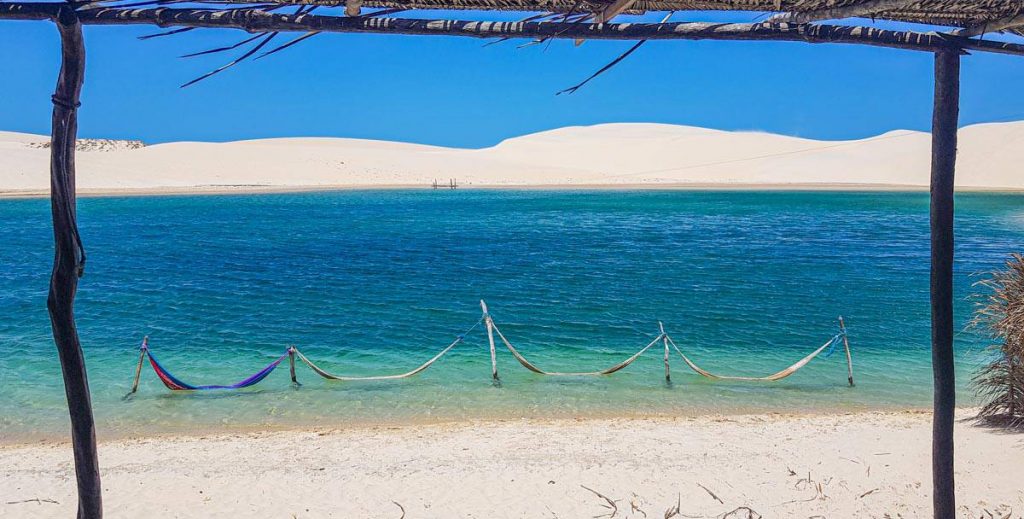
{"x":969,"y":21}
{"x":452,"y":184}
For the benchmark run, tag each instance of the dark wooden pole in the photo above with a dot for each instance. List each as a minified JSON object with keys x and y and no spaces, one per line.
{"x":944,"y":126}
{"x":256,"y":20}
{"x":69,"y":262}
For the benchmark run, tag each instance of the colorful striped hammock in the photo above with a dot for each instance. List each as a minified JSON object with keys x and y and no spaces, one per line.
{"x":176,"y":384}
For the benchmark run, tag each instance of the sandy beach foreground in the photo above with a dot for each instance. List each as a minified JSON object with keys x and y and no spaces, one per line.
{"x":870,"y":464}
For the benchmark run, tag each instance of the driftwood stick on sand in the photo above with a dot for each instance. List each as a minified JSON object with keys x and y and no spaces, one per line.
{"x":710,"y":493}
{"x":609,"y":503}
{"x":34,"y":500}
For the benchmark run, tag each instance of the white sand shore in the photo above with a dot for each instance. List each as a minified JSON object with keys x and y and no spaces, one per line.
{"x":602,"y":156}
{"x":870,"y":464}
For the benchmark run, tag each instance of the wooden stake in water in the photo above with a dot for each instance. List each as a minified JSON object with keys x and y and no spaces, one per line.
{"x":138,"y":367}
{"x":664,"y":339}
{"x":490,"y":338}
{"x":291,"y":364}
{"x":846,"y":346}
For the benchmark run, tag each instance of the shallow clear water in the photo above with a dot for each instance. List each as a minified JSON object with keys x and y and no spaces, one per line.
{"x":371,"y":282}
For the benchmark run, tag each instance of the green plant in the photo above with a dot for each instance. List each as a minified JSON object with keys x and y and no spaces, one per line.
{"x":1000,"y":383}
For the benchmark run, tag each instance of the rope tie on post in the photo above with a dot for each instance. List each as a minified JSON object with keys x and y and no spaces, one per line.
{"x":832,"y":346}
{"x":64,"y":103}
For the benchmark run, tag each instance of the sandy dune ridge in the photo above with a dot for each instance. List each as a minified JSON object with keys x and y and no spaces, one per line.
{"x":607,"y":155}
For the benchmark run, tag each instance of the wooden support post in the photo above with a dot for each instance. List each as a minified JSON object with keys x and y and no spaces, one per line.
{"x":944,"y":128}
{"x":664,"y":339}
{"x":69,"y":263}
{"x":490,"y":338}
{"x":291,"y":365}
{"x":138,"y":367}
{"x":846,"y":346}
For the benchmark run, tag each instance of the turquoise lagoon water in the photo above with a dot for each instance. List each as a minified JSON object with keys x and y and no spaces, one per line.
{"x":371,"y":282}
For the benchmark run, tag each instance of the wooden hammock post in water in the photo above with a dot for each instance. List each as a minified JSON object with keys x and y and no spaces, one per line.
{"x":945,"y":118}
{"x":490,"y":338}
{"x":846,"y":346}
{"x":664,"y":339}
{"x":69,"y":262}
{"x":138,"y":367}
{"x":291,"y":364}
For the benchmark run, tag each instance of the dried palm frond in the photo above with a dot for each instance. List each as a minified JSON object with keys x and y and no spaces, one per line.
{"x":614,"y":62}
{"x":1000,"y":383}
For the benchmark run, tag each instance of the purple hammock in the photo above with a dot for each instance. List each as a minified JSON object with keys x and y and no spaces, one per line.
{"x":176,"y":384}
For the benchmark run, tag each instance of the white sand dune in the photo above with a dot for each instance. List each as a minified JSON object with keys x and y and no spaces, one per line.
{"x":863,"y":465}
{"x":612,"y":155}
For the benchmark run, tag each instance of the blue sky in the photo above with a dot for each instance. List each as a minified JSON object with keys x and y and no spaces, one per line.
{"x":452,"y":91}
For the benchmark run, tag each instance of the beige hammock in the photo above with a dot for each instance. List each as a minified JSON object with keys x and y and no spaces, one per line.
{"x":667,"y":340}
{"x":316,"y":369}
{"x":533,"y":367}
{"x":770,"y":378}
